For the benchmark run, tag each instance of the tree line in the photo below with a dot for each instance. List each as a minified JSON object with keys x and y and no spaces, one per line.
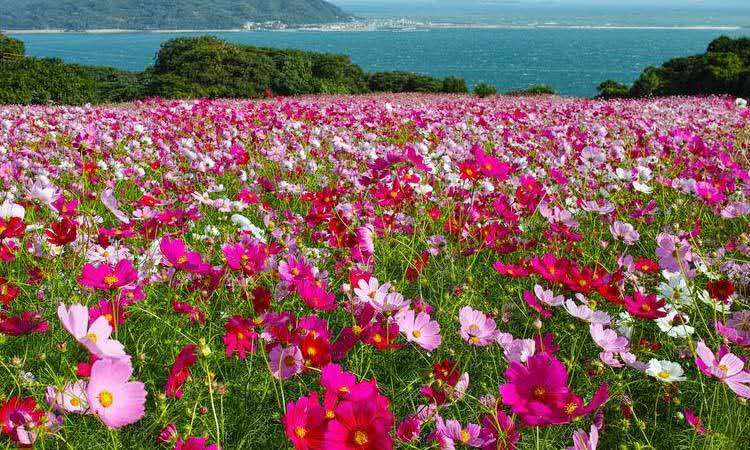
{"x":723,"y":69}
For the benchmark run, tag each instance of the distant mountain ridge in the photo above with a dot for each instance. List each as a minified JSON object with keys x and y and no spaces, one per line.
{"x":161,"y":14}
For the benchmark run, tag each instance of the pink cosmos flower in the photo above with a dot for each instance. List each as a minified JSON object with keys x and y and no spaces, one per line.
{"x":499,"y":432}
{"x":110,"y":202}
{"x":114,"y":399}
{"x":538,"y":392}
{"x":737,"y":328}
{"x":491,"y":166}
{"x":476,"y":328}
{"x":250,"y":259}
{"x":305,"y":423}
{"x":70,"y":399}
{"x":585,"y":441}
{"x":194,"y":443}
{"x":106,"y":277}
{"x":610,"y":342}
{"x":294,"y":269}
{"x":709,"y":193}
{"x":449,"y":432}
{"x":96,"y":337}
{"x":516,"y":350}
{"x":624,"y":232}
{"x":314,"y":294}
{"x":725,"y":366}
{"x":175,"y":251}
{"x":419,"y":329}
{"x":694,"y":421}
{"x":547,"y":297}
{"x":360,"y":425}
{"x":285,"y":362}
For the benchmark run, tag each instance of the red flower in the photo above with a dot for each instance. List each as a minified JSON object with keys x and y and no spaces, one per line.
{"x":26,"y":323}
{"x":720,"y":290}
{"x":8,"y":291}
{"x":62,"y":232}
{"x":316,"y":350}
{"x":240,"y":336}
{"x":646,"y":265}
{"x":11,"y":227}
{"x":180,"y":371}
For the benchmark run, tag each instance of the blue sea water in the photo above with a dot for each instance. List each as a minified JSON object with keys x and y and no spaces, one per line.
{"x":573,"y":60}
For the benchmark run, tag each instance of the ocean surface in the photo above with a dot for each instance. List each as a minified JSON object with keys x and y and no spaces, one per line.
{"x":572,"y":60}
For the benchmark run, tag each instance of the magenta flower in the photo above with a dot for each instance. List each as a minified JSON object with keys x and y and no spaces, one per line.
{"x":737,"y":328}
{"x":491,"y":166}
{"x":419,"y":329}
{"x":538,"y":392}
{"x":175,"y":251}
{"x":476,"y":328}
{"x":709,"y":193}
{"x":250,"y":259}
{"x":194,"y":443}
{"x":305,"y":423}
{"x":107,"y":277}
{"x":114,"y":399}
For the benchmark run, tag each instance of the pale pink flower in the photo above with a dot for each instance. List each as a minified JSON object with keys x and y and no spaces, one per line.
{"x":419,"y":328}
{"x":96,"y":338}
{"x":114,"y":399}
{"x":476,"y":327}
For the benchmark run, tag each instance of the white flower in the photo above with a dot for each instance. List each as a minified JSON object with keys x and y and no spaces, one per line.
{"x":675,"y":324}
{"x":10,"y":209}
{"x":675,"y":288}
{"x":625,"y":324}
{"x":246,"y":225}
{"x":740,"y":103}
{"x":666,"y":371}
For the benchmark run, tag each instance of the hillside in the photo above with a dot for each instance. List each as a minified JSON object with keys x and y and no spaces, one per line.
{"x":161,"y":14}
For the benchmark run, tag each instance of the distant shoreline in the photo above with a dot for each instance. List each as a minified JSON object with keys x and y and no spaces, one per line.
{"x":339,"y":28}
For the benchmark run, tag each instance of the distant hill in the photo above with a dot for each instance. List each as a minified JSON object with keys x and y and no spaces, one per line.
{"x":161,"y":14}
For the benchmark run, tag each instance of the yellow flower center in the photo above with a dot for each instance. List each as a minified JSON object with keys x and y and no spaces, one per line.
{"x":109,"y":280}
{"x":357,"y":330}
{"x":723,"y":368}
{"x":539,"y":392}
{"x":75,"y":401}
{"x":570,"y":408}
{"x":416,"y":334}
{"x":360,"y":437}
{"x":330,"y":414}
{"x":465,"y":436}
{"x":300,"y":432}
{"x":91,"y":337}
{"x":663,"y":374}
{"x":105,"y":398}
{"x":181,"y":260}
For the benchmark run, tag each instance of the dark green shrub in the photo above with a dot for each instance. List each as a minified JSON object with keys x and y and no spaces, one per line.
{"x":484,"y":90}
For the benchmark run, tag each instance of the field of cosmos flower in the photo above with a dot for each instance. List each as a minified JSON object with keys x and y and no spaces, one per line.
{"x":376,"y":272}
